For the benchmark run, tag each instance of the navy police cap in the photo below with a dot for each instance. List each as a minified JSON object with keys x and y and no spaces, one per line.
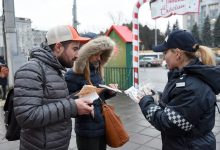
{"x":177,"y":39}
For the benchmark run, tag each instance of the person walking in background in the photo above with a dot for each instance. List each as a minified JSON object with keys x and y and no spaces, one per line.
{"x":186,"y":111}
{"x":89,"y":70}
{"x":3,"y":76}
{"x":42,"y":105}
{"x":2,"y":60}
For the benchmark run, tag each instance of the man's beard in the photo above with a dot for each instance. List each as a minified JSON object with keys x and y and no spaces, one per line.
{"x":64,"y":62}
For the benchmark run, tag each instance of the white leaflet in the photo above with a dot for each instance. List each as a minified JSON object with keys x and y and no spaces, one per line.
{"x":108,"y":87}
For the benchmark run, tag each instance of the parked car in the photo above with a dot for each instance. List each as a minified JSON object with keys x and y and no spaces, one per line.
{"x":151,"y":54}
{"x":164,"y":64}
{"x":149,"y":62}
{"x":217,"y":59}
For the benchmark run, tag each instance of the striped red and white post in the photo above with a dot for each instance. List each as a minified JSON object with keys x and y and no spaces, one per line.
{"x":135,"y":41}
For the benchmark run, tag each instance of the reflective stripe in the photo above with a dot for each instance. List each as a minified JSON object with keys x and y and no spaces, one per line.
{"x":177,"y":119}
{"x":151,"y":111}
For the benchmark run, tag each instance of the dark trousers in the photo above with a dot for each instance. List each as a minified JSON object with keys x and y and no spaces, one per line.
{"x":95,"y":143}
{"x":3,"y":83}
{"x":3,"y":92}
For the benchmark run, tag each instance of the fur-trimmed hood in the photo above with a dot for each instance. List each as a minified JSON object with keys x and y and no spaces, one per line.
{"x":100,"y":44}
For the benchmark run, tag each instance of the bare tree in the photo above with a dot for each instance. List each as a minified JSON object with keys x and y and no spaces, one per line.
{"x":117,"y":18}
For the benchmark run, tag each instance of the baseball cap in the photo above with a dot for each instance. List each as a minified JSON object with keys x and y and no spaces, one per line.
{"x":64,"y":33}
{"x":177,"y":39}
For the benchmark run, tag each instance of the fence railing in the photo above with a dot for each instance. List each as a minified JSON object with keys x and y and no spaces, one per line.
{"x":122,"y":76}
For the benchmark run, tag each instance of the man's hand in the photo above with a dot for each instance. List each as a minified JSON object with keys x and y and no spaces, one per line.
{"x":83,"y":107}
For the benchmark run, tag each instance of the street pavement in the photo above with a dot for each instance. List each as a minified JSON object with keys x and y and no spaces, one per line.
{"x":143,"y":136}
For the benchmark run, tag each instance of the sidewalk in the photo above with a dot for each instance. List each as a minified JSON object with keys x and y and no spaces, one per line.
{"x":143,"y":136}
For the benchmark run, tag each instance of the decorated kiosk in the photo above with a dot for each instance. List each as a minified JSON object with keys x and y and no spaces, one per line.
{"x":119,"y":68}
{"x":123,"y":67}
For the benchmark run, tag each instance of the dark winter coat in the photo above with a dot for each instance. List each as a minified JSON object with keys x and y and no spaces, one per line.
{"x":86,"y":125}
{"x":186,"y":114}
{"x":41,"y":105}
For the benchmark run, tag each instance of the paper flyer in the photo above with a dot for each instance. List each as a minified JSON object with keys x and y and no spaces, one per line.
{"x":108,"y":87}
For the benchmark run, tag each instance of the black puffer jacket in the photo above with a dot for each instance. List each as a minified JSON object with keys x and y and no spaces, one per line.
{"x":41,"y":107}
{"x":186,"y":114}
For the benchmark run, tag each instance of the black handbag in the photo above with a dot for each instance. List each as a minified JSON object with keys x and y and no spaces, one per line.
{"x":12,"y":127}
{"x":11,"y":124}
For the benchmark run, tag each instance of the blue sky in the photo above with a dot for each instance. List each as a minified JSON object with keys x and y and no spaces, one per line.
{"x":93,"y":15}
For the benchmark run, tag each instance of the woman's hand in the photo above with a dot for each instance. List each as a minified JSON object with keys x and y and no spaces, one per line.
{"x":114,"y":86}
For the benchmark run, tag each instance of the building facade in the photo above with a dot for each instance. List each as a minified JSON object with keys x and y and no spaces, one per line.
{"x":209,"y":8}
{"x":38,"y":36}
{"x":26,"y":36}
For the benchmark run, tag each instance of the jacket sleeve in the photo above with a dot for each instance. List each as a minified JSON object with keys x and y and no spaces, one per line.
{"x":178,"y":117}
{"x":30,"y":109}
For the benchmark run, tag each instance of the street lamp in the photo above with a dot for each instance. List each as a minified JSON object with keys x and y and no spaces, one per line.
{"x":155,"y":32}
{"x":74,"y":13}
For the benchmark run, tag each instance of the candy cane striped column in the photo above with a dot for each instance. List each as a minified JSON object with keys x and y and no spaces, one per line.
{"x":135,"y":41}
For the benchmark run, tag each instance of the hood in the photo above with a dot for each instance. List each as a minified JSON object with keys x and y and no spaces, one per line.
{"x":45,"y":54}
{"x":208,"y":74}
{"x":101,"y":44}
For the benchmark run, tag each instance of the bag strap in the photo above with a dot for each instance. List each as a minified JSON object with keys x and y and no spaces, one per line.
{"x":217,"y":107}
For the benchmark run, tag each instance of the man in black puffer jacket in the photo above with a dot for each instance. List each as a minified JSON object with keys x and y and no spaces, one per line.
{"x":42,"y":105}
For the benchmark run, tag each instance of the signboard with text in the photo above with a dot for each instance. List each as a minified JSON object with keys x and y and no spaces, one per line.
{"x":166,"y":8}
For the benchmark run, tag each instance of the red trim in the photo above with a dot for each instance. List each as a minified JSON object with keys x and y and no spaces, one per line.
{"x":136,"y":37}
{"x":136,"y":26}
{"x":135,"y":59}
{"x":135,"y":15}
{"x":136,"y":48}
{"x":138,"y":5}
{"x":122,"y":31}
{"x":136,"y":80}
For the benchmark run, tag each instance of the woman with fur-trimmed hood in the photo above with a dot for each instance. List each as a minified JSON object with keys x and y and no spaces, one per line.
{"x":89,"y":69}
